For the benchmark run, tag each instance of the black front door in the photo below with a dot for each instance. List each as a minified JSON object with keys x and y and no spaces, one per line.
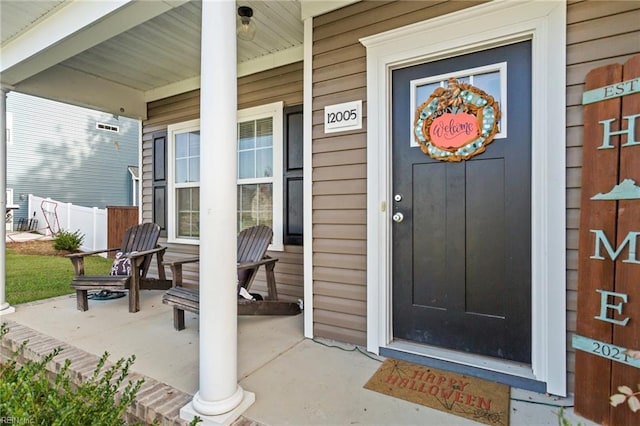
{"x":462,"y":253}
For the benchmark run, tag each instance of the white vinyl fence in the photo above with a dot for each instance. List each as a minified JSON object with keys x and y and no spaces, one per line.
{"x":8,"y":218}
{"x":55,"y":216}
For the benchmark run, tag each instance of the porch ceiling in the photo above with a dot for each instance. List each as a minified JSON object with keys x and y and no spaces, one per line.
{"x":143,"y":50}
{"x":18,"y":16}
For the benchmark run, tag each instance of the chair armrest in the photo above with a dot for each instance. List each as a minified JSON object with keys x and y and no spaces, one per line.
{"x":77,"y":259}
{"x":269,"y":264}
{"x":176,"y":269}
{"x":136,"y":254}
{"x":89,"y":253}
{"x":181,"y":262}
{"x":250,"y":265}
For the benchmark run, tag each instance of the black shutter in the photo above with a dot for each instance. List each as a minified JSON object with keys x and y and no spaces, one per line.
{"x":292,"y":175}
{"x":160,"y":181}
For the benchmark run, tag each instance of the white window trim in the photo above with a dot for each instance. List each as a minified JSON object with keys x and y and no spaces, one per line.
{"x":544,"y":23}
{"x":172,"y":130}
{"x":263,"y":111}
{"x":274,"y":110}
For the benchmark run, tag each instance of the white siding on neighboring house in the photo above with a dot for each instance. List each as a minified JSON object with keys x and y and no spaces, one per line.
{"x":58,"y":150}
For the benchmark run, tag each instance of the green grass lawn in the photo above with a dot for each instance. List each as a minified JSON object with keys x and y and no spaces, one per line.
{"x":31,"y":277}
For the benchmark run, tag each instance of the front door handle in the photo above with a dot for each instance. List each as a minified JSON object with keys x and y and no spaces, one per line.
{"x":398,"y":217}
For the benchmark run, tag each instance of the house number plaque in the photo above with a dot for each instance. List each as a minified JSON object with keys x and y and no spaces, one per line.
{"x":343,"y":117}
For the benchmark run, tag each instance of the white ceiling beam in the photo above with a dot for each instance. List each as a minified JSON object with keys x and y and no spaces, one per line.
{"x":172,"y":89}
{"x":313,"y":8}
{"x":73,"y":29}
{"x":67,"y":85}
{"x":274,"y":60}
{"x":267,"y":62}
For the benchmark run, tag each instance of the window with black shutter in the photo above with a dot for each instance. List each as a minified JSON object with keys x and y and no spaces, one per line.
{"x":291,"y":143}
{"x":292,"y":175}
{"x":160,"y":181}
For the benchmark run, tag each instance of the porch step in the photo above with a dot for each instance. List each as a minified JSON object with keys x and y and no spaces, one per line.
{"x":155,"y":400}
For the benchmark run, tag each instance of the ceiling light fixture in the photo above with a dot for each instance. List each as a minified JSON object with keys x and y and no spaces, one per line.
{"x":247,"y":29}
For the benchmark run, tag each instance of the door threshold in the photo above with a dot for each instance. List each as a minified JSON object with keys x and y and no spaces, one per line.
{"x":515,"y":374}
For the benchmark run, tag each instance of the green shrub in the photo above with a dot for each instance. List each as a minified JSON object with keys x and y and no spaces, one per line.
{"x":67,"y":240}
{"x":28,"y":396}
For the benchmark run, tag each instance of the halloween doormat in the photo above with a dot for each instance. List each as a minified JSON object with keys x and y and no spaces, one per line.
{"x":475,"y":399}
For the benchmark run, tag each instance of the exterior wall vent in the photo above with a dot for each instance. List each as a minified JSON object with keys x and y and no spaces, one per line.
{"x":108,"y":127}
{"x":9,"y":126}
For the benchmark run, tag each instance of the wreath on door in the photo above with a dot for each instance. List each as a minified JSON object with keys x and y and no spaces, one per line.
{"x":457,"y":122}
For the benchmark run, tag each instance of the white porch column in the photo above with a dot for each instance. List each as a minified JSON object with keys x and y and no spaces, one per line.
{"x":4,"y":306}
{"x":219,"y":395}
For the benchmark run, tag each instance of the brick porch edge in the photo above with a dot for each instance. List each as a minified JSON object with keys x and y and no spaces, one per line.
{"x":154,"y":401}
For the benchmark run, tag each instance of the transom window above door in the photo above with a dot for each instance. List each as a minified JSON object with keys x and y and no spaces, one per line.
{"x":490,"y":78}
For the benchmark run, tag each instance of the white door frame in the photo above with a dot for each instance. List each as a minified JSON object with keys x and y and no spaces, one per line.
{"x":476,"y":28}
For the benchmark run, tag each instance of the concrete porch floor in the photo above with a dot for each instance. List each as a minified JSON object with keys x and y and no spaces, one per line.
{"x":296,"y":381}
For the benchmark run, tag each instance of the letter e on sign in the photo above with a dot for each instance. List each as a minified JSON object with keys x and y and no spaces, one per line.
{"x":343,"y":117}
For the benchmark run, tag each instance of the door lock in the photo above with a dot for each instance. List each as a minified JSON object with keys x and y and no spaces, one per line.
{"x":397,"y":197}
{"x":398,"y":217}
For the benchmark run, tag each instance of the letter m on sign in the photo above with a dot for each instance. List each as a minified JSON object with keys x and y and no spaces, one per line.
{"x":601,"y":241}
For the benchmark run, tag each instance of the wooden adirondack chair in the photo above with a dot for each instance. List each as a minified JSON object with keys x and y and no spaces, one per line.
{"x":252,"y":247}
{"x":139,"y":244}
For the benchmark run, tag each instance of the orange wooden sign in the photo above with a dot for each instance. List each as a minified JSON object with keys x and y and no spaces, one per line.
{"x":608,"y":314}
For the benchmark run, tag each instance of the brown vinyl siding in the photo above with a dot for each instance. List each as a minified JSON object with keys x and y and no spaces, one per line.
{"x":598,"y":33}
{"x":339,"y":160}
{"x":278,"y":84}
{"x":274,"y":85}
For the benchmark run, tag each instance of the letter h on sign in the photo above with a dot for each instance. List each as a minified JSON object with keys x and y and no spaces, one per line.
{"x":630,"y":132}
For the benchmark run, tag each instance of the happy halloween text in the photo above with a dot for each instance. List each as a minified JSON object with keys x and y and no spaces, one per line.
{"x":439,"y":386}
